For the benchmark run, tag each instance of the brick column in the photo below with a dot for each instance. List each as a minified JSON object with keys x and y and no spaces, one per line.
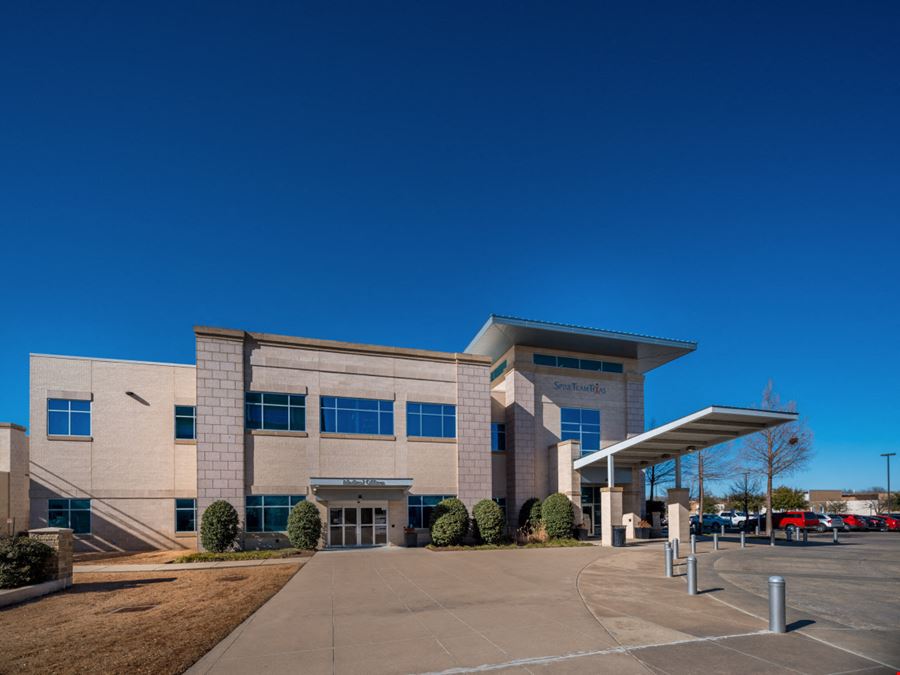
{"x":634,"y":404}
{"x":563,"y":476}
{"x":520,"y":442}
{"x":679,"y":516}
{"x":220,"y":419}
{"x":473,"y":433}
{"x":610,"y":513}
{"x":60,"y":540}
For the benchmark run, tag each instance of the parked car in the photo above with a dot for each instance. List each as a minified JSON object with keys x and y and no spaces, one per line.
{"x":733,"y":518}
{"x":829,"y":521}
{"x":877,"y":523}
{"x":711,"y":523}
{"x":892,"y":522}
{"x":853,"y":522}
{"x":794,"y":520}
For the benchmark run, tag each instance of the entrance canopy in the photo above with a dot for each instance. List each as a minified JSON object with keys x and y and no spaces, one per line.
{"x":702,"y":429}
{"x":351,"y":488}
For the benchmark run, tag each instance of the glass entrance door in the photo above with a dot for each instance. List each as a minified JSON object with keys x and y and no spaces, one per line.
{"x":357,"y":526}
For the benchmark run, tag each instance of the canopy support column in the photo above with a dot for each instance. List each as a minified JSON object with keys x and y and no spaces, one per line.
{"x":677,"y":471}
{"x":610,"y":472}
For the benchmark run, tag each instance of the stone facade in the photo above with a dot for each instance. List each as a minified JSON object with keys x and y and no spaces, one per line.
{"x":14,"y":478}
{"x":60,"y":540}
{"x":520,"y":443}
{"x":220,"y":420}
{"x":473,"y":434}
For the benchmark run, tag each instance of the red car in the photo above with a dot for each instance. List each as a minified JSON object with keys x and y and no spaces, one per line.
{"x":852,"y":522}
{"x":893,"y":522}
{"x":793,"y":520}
{"x":885,"y":523}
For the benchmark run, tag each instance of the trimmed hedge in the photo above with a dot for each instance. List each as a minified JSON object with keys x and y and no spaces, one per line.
{"x":530,"y":513}
{"x":304,"y":526}
{"x":449,"y":522}
{"x":558,"y":516}
{"x":219,"y":527}
{"x":23,"y":561}
{"x":489,"y":521}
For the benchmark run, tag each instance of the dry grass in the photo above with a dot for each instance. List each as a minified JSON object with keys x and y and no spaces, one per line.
{"x":80,"y":631}
{"x":131,"y":557}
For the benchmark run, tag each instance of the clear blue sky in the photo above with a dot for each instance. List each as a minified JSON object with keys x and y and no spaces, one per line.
{"x":394,"y":172}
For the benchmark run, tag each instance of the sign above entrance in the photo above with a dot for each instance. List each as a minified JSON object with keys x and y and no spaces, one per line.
{"x":364,"y":482}
{"x":360,"y":482}
{"x":587,"y":387}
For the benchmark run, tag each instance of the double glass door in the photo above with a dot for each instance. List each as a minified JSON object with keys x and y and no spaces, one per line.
{"x":357,"y":526}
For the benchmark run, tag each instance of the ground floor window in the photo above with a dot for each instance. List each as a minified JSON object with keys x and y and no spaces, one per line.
{"x":185,"y":515}
{"x":590,"y":508}
{"x":269,"y":513}
{"x":71,"y":513}
{"x":420,"y":508}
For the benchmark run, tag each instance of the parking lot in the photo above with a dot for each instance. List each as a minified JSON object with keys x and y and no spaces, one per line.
{"x":578,"y":610}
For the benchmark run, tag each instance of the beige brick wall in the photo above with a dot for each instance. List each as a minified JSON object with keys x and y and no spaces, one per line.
{"x":14,"y":503}
{"x":473,"y":421}
{"x":220,"y":422}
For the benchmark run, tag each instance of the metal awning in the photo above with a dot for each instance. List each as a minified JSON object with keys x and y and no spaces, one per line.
{"x":702,"y":429}
{"x":350,"y":487}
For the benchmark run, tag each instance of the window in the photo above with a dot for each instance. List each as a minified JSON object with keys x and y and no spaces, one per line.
{"x":278,"y":412}
{"x":421,"y":507}
{"x":71,"y":513}
{"x":498,"y":436}
{"x":577,"y":364}
{"x":501,"y":502}
{"x":498,"y":371}
{"x":185,"y":422}
{"x":581,"y":424}
{"x":185,"y":515}
{"x":431,"y":420}
{"x":66,"y":417}
{"x":357,"y":416}
{"x":269,"y":513}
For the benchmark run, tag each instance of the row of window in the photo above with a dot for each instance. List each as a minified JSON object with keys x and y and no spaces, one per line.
{"x":577,"y":364}
{"x":264,"y":513}
{"x":287,"y":412}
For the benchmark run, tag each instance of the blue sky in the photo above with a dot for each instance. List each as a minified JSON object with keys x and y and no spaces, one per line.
{"x":394,"y":172}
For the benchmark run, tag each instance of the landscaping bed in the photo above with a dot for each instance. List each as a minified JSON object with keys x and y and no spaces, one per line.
{"x":552,"y":543}
{"x":134,"y":622}
{"x":265,"y":554}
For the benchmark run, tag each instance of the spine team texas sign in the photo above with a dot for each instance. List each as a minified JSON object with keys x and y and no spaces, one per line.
{"x":586,"y":387}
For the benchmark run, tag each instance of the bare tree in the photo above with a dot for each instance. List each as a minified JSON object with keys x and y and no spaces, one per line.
{"x":709,"y":464}
{"x":658,"y":475}
{"x":777,"y":451}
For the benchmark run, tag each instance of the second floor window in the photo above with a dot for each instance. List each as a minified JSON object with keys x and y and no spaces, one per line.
{"x":67,"y":417}
{"x":357,"y":416}
{"x":498,"y":436}
{"x":581,"y":424}
{"x":431,"y":420}
{"x":185,"y":422}
{"x":277,"y":412}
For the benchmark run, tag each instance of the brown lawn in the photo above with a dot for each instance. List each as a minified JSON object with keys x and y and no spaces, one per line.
{"x":130,"y":557}
{"x":134,"y":622}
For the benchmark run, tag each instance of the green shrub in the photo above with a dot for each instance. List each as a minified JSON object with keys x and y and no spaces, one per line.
{"x":489,"y":521}
{"x":23,"y":561}
{"x":219,"y":527}
{"x":558,"y":516}
{"x":530,"y":514}
{"x":304,"y":526}
{"x":449,"y":522}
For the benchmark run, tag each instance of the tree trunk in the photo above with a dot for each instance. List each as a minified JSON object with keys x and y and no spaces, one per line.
{"x":769,"y":499}
{"x":700,"y":489}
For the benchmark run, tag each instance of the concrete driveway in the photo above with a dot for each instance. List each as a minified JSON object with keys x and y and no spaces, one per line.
{"x":526,"y":611}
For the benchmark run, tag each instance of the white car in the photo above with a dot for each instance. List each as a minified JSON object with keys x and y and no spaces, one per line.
{"x":828,"y":521}
{"x":736,"y":518}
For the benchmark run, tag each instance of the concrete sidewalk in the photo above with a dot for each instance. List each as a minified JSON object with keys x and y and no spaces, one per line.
{"x":581,"y":610}
{"x":172,"y":567}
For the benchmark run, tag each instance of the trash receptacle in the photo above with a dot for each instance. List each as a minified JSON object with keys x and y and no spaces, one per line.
{"x":618,"y":535}
{"x":411,"y":538}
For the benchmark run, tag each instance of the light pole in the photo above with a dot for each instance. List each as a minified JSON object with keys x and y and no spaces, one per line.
{"x":887,"y":456}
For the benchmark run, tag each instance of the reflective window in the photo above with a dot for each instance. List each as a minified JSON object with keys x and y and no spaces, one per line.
{"x":269,"y":513}
{"x":577,"y":364}
{"x":421,"y":507}
{"x":67,"y":417}
{"x":185,"y":422}
{"x":581,"y":424}
{"x":498,"y":371}
{"x":277,"y":412}
{"x":498,"y":436}
{"x":431,"y":420}
{"x":357,"y":416}
{"x":71,"y":513}
{"x":185,"y":515}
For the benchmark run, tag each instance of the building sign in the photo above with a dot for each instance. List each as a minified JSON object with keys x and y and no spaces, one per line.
{"x":586,"y":387}
{"x":364,"y":482}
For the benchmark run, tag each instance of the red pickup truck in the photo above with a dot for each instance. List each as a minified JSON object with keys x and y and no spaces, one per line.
{"x":794,"y":520}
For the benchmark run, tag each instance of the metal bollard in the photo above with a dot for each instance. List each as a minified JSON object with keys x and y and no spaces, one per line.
{"x":722,"y":525}
{"x":777,"y":622}
{"x":757,"y":528}
{"x":692,"y":575}
{"x":743,"y":542}
{"x":668,"y":555}
{"x":715,"y":541}
{"x":675,"y":549}
{"x":787,"y":534}
{"x":835,"y":537}
{"x":805,"y":536}
{"x":693,"y":544}
{"x":771,"y":537}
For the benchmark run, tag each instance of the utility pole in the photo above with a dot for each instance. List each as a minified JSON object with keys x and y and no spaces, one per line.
{"x":746,"y":499}
{"x":890,"y":499}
